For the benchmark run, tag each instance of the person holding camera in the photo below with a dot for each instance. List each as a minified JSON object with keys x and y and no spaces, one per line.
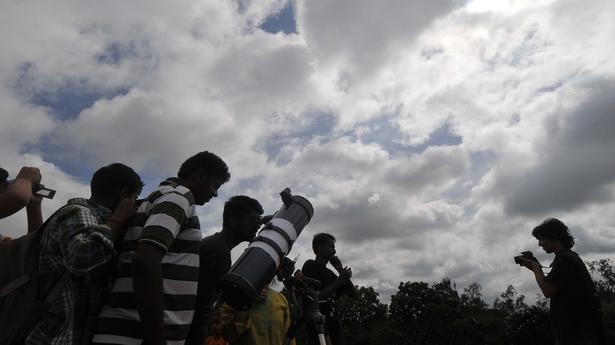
{"x":18,"y":194}
{"x":574,"y":306}
{"x":332,"y":285}
{"x":77,"y":253}
{"x":241,"y":219}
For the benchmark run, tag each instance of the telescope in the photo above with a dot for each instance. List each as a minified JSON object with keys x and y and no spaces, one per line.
{"x":259,"y":263}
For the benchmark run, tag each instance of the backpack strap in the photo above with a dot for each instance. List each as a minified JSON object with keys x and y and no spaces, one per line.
{"x":25,"y":278}
{"x":14,"y":285}
{"x":43,"y":306}
{"x":58,"y":287}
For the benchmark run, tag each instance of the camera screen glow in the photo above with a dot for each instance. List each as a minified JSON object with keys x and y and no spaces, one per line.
{"x":43,"y":192}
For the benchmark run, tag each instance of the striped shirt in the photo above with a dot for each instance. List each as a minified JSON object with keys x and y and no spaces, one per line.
{"x":166,"y":219}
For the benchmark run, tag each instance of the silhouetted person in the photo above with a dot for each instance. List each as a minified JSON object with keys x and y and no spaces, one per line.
{"x":80,"y":240}
{"x":153,"y":298}
{"x":332,"y":286}
{"x":241,"y":220}
{"x":575,"y":308}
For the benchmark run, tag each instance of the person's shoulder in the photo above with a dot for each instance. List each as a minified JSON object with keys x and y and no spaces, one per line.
{"x":171,"y":189}
{"x":214,"y":255}
{"x":567,"y":256}
{"x":309,"y":265}
{"x":311,"y":268}
{"x":212,"y":239}
{"x":278,"y":297}
{"x":213,"y":244}
{"x":74,"y":207}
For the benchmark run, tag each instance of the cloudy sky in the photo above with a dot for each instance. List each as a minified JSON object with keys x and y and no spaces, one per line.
{"x":430,"y":135}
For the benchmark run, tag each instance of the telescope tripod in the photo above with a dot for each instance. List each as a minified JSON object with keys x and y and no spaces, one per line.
{"x":307,"y":314}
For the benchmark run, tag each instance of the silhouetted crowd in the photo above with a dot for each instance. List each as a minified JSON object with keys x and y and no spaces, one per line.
{"x":115,"y":268}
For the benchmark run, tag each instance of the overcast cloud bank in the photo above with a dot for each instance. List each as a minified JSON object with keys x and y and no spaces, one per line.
{"x":431,"y":136}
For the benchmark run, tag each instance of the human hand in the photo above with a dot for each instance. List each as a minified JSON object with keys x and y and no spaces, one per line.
{"x":345,"y":273}
{"x":31,"y":174}
{"x":530,"y":264}
{"x":125,"y":209}
{"x":336,"y":263}
{"x":35,"y":201}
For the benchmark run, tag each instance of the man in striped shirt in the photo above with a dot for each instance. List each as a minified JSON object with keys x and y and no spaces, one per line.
{"x":152,"y":300}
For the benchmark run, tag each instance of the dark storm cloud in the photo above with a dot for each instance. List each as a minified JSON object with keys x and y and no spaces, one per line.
{"x":356,"y":221}
{"x":578,"y":159}
{"x":418,"y":269}
{"x":593,"y":241}
{"x":437,"y":166}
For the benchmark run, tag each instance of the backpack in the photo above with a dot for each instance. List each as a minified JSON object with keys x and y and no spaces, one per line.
{"x":20,"y":308}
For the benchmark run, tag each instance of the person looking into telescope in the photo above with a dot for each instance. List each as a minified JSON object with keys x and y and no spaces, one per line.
{"x":332,"y":285}
{"x":241,"y":219}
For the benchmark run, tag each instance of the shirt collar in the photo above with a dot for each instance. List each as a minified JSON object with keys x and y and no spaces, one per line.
{"x":174,"y":182}
{"x":99,"y":209}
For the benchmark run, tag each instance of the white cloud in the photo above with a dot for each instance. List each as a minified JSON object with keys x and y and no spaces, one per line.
{"x":525,"y":83}
{"x":359,"y":37}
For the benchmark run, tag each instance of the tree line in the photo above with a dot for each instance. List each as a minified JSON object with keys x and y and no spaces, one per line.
{"x":437,"y":314}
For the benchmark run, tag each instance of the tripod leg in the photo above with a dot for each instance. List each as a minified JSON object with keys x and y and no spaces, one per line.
{"x":321,"y":339}
{"x":292,"y":331}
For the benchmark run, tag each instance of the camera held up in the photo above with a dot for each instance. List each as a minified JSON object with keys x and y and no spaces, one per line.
{"x":525,"y":255}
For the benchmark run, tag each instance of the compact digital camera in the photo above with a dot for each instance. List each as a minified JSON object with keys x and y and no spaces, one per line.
{"x":525,"y":255}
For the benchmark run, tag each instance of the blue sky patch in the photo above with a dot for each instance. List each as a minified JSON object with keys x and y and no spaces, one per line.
{"x":321,"y":125}
{"x":64,"y":100}
{"x":385,"y":132}
{"x":282,"y":21}
{"x":67,"y":101}
{"x":482,"y":162}
{"x":442,"y":137}
{"x":115,"y":52}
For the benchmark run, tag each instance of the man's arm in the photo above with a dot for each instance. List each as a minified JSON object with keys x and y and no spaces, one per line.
{"x":18,"y":193}
{"x":212,"y":268}
{"x":147,"y":281}
{"x":349,"y":288}
{"x":343,"y":279}
{"x":167,"y":215}
{"x":549,"y":289}
{"x":311,"y":270}
{"x":35,"y":215}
